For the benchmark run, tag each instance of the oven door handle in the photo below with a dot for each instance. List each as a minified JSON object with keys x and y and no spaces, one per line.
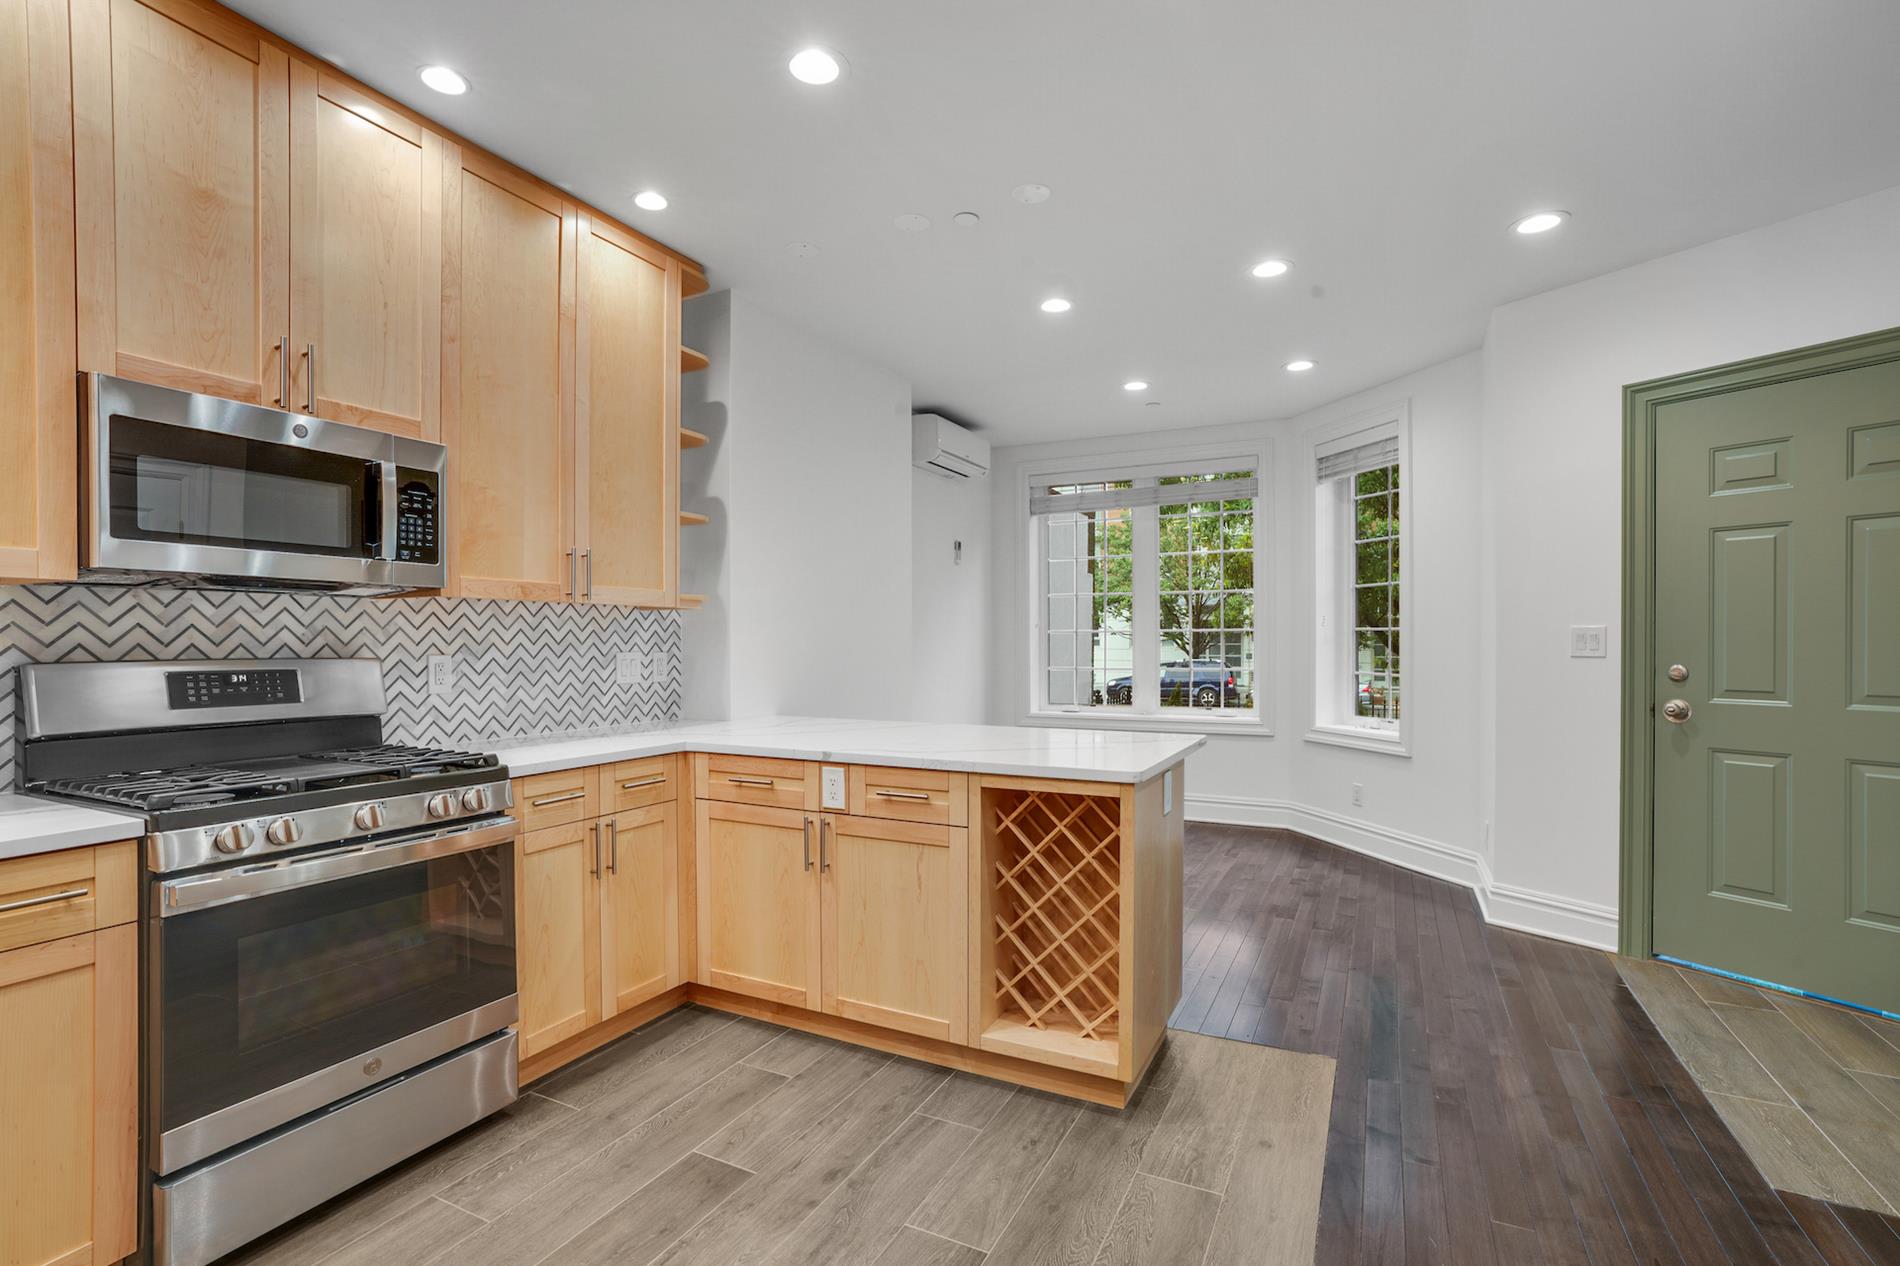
{"x":242,"y":883}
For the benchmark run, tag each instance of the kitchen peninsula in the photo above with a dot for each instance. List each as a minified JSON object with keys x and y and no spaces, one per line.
{"x":1005,"y":900}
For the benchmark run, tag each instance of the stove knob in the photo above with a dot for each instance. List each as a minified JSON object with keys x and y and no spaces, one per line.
{"x":441,"y":806}
{"x":369,"y":817}
{"x":474,"y":800}
{"x":232,"y":839}
{"x":284,"y":831}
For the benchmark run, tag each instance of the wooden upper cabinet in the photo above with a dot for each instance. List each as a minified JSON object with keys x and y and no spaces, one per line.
{"x":366,"y":259}
{"x":627,"y":454}
{"x":508,"y":382}
{"x":182,"y":185}
{"x":39,"y":463}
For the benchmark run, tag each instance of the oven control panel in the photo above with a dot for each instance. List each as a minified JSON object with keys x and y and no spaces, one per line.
{"x":231,"y":688}
{"x":418,"y":517}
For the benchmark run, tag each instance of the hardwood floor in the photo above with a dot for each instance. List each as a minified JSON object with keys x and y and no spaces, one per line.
{"x":705,"y":1138}
{"x":1499,"y":1098}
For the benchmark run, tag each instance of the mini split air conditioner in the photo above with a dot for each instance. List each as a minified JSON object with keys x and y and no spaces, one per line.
{"x":941,"y":446}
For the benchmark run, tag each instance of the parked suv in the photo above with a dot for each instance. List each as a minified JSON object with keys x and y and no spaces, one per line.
{"x":1207,"y":684}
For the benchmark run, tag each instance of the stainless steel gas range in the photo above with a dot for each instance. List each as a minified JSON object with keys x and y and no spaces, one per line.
{"x":329,"y":927}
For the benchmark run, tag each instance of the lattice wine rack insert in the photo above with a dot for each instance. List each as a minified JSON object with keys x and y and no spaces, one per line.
{"x":1057,"y":902}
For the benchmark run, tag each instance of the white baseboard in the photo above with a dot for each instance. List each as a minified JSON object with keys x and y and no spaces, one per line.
{"x":1522,"y":909}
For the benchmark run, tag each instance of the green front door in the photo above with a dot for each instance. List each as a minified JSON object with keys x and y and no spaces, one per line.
{"x":1777,"y":754}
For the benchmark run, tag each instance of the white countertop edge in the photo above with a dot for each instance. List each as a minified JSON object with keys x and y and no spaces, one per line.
{"x":30,"y":825}
{"x":1021,"y":752}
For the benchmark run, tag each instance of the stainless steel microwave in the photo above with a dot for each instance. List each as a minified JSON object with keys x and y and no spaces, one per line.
{"x":199,"y":489}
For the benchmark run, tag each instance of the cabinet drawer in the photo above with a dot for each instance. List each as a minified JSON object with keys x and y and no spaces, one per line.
{"x":781,"y":784}
{"x":544,"y":800}
{"x":909,"y":795}
{"x":52,"y":895}
{"x":637,"y":784}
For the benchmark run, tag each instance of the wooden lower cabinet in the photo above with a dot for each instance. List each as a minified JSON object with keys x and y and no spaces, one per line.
{"x":758,"y":901}
{"x":69,"y":1100}
{"x":639,"y":905}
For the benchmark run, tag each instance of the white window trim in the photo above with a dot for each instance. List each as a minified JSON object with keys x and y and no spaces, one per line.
{"x":1389,"y":740}
{"x":1091,"y":468}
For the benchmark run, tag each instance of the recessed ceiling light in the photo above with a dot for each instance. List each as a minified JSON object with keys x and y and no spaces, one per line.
{"x":1134,"y":384}
{"x":1271,"y":268}
{"x":967,"y":219}
{"x":1540,"y":222}
{"x":911,"y":222}
{"x":1056,"y":305}
{"x":442,"y":79}
{"x":816,"y":66}
{"x":1030,"y":195}
{"x":1298,"y":366}
{"x":650,"y":200}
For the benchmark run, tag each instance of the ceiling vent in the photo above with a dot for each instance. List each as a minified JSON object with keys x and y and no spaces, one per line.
{"x":942,"y":447}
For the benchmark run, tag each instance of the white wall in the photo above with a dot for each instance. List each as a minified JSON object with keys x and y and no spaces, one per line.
{"x":1554,"y":369}
{"x":950,"y":600}
{"x":810,"y":601}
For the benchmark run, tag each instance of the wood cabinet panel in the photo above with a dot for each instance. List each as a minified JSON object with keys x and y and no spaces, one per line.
{"x":895,"y":915}
{"x":558,"y":930}
{"x":758,"y":908}
{"x":38,"y":440}
{"x":55,"y":895}
{"x":639,"y":907}
{"x":508,"y":366}
{"x":637,"y":784}
{"x":909,"y":795}
{"x":69,"y":1045}
{"x":627,"y":405}
{"x":181,"y":169}
{"x":366,"y":266}
{"x":759,"y":780}
{"x":556,"y":798}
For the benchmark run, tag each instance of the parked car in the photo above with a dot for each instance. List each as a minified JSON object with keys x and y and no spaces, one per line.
{"x":1208,"y":684}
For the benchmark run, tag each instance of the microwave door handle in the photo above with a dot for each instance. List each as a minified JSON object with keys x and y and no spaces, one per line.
{"x":389,"y":509}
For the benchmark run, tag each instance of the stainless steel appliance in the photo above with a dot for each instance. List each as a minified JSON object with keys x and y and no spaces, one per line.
{"x":329,"y":928}
{"x":211,"y":491}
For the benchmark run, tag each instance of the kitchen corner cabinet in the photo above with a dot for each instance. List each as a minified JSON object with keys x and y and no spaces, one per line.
{"x":39,"y":459}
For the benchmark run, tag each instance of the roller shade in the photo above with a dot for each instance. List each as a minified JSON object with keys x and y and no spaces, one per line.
{"x":1356,"y":453}
{"x":1144,"y":493}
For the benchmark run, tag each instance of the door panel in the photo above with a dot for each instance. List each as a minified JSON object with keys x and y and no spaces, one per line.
{"x":627,"y":435}
{"x":758,"y":902}
{"x":639,"y":899}
{"x":366,"y":236}
{"x":558,"y":931}
{"x":1777,"y":587}
{"x":895,"y":920}
{"x":181,"y":144}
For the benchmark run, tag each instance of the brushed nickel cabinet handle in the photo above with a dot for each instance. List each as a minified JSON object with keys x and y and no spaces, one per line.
{"x":46,"y":899}
{"x":824,"y":855}
{"x":905,"y":795}
{"x":587,"y":586}
{"x":613,"y":846}
{"x":596,"y":832}
{"x":750,"y":782}
{"x":807,"y":843}
{"x":310,"y":381}
{"x":283,"y":373}
{"x":560,"y":799}
{"x":637,"y":783}
{"x":570,"y":573}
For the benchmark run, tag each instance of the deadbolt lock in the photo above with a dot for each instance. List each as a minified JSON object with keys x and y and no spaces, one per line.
{"x":1678,"y":710}
{"x":1678,"y":673}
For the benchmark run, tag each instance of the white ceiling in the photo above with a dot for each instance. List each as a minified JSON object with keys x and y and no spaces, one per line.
{"x":1385,"y":146}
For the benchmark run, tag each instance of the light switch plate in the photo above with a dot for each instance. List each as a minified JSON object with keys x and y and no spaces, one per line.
{"x":627,"y":668}
{"x":1589,"y":641}
{"x":834,"y":786}
{"x":441,"y":674}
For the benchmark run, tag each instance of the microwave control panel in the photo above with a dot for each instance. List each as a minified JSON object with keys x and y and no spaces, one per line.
{"x":418,"y":517}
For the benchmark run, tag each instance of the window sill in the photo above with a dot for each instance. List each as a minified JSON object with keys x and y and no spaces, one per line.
{"x":1209,"y":725}
{"x":1361,"y":737}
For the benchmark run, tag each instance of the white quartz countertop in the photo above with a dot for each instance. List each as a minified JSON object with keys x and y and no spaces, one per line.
{"x":31,"y":825}
{"x":1024,"y":751}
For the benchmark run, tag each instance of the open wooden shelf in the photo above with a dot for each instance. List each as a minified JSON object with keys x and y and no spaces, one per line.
{"x":692,"y":282}
{"x":1054,"y":863}
{"x":692,"y":361}
{"x":689,"y":519}
{"x":687,"y":601}
{"x":690,"y":438}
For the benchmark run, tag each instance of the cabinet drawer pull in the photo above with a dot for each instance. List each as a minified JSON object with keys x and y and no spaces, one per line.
{"x":560,"y":799}
{"x":613,"y":846}
{"x":807,"y":843}
{"x":905,"y":795}
{"x":46,"y":899}
{"x":637,"y":783}
{"x":824,"y":855}
{"x":597,"y":850}
{"x":750,"y":782}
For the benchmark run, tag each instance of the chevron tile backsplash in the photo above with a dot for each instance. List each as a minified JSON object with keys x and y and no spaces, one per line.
{"x":521,"y":668}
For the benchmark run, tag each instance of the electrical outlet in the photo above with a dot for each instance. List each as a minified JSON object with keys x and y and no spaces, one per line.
{"x":627,"y":668}
{"x":833,"y":786}
{"x":1359,"y":793}
{"x":441,"y":674}
{"x":1589,"y":641}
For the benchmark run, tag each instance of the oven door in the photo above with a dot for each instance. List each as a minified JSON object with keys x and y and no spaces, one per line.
{"x":280,"y":988}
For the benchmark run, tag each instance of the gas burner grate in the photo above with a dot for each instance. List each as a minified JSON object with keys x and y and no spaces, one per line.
{"x":405,"y":761}
{"x":153,"y":790}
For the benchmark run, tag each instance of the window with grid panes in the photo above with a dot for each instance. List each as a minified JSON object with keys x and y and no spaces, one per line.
{"x":1146,"y":599}
{"x":1374,"y":560}
{"x":1358,"y":587}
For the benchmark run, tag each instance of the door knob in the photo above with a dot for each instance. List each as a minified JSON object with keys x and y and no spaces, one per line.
{"x":1678,"y":711}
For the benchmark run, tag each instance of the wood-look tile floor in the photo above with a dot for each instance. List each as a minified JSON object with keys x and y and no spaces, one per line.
{"x":1499,"y":1097}
{"x":1812,"y":1091}
{"x":703,"y":1138}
